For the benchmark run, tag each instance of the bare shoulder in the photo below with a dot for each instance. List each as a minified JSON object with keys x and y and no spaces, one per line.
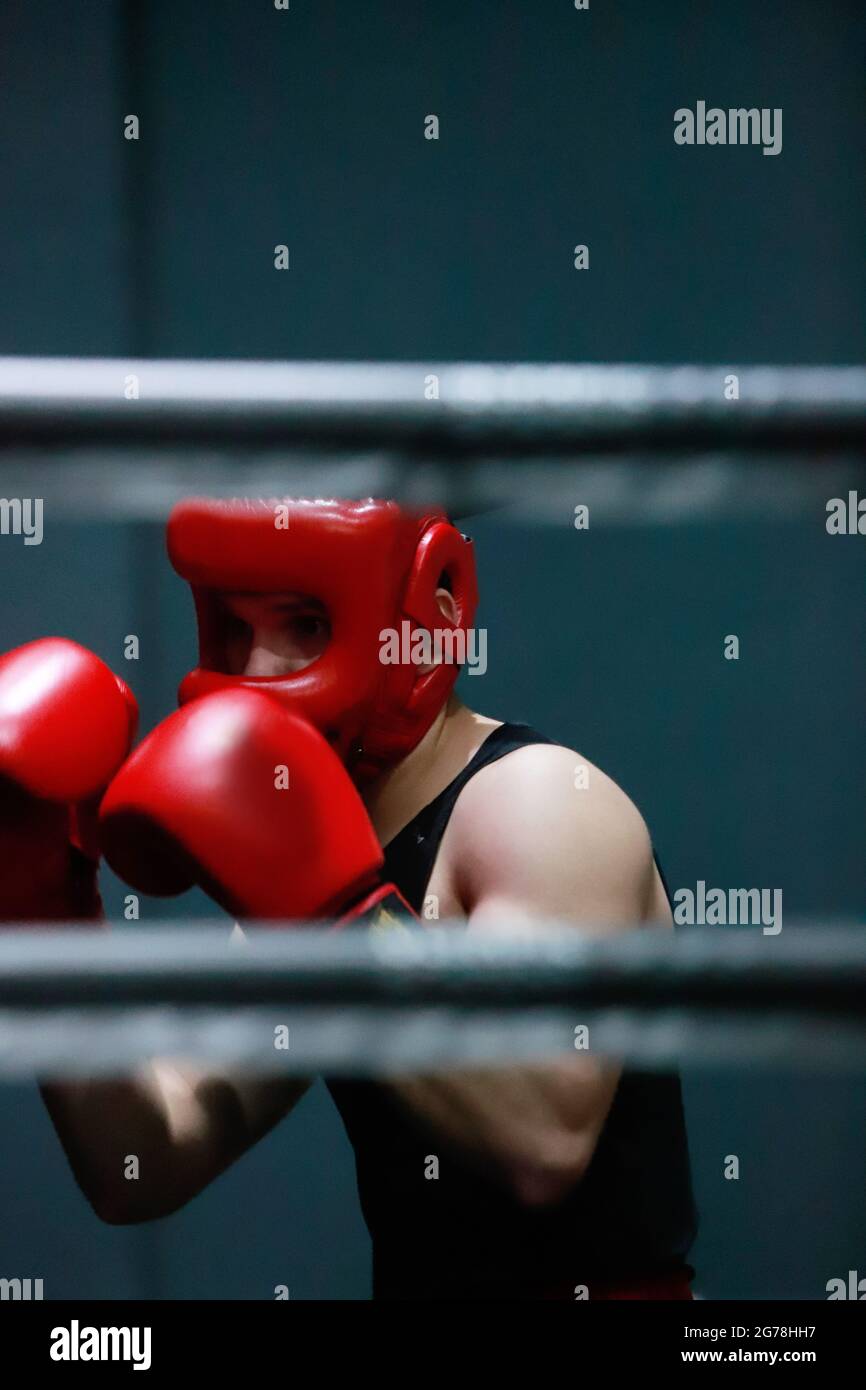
{"x":546,"y":788}
{"x":544,"y":828}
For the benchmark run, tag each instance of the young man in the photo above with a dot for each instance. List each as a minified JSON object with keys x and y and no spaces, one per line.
{"x":563,"y":1180}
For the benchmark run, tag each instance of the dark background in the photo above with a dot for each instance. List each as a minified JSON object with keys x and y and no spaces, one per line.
{"x":261,"y":127}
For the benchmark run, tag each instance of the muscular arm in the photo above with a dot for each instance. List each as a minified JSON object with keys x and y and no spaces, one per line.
{"x":183,"y":1124}
{"x":524,"y":844}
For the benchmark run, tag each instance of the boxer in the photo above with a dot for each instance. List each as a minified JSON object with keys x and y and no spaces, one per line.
{"x":563,"y":1180}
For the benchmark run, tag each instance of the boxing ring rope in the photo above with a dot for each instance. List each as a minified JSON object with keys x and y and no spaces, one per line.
{"x":76,"y":1002}
{"x":639,"y":445}
{"x":452,"y":407}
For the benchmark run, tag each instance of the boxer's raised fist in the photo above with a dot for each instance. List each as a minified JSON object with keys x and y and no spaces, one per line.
{"x":235,"y":794}
{"x":66,"y":724}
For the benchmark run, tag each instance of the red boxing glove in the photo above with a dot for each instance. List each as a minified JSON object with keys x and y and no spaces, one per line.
{"x":66,"y":724}
{"x":237,"y":795}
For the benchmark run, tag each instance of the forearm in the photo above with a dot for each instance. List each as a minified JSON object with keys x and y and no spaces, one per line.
{"x":124,"y":1150}
{"x":142,"y":1146}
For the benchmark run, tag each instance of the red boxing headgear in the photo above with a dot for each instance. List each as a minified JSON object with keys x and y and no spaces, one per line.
{"x":373,"y":565}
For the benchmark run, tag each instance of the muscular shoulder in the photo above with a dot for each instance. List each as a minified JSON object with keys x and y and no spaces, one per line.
{"x":544,"y":832}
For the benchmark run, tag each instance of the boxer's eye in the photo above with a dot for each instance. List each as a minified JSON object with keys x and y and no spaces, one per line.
{"x":268,"y":635}
{"x":309,"y":625}
{"x":238,"y":640}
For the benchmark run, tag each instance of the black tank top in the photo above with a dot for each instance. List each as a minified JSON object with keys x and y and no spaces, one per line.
{"x":462,"y":1236}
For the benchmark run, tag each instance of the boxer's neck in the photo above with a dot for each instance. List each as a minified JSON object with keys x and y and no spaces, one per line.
{"x":448,"y":745}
